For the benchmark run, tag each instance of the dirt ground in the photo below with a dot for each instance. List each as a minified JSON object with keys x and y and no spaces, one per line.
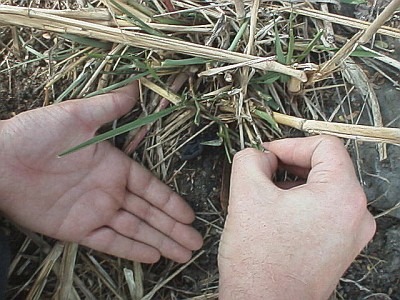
{"x":375,"y":274}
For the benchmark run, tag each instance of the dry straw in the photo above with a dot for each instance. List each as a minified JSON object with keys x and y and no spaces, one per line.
{"x":79,"y":23}
{"x":258,"y":69}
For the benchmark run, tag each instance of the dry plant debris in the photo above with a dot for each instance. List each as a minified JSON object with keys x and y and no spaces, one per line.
{"x":253,"y":70}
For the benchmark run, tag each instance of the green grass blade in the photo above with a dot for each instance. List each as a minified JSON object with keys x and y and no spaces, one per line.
{"x":268,"y":78}
{"x":267,"y":99}
{"x":136,"y":21}
{"x":87,"y":41}
{"x":142,"y":8}
{"x":270,"y":120}
{"x":359,"y":52}
{"x":213,"y":143}
{"x":125,"y":128}
{"x":353,"y":1}
{"x":280,"y":55}
{"x":153,"y":73}
{"x":239,"y":35}
{"x":198,"y":111}
{"x":290,"y":51}
{"x":82,"y":77}
{"x":118,"y":84}
{"x":224,"y":134}
{"x":310,"y":46}
{"x":61,"y":55}
{"x":150,"y":13}
{"x":20,"y":64}
{"x":36,"y":53}
{"x":184,"y":62}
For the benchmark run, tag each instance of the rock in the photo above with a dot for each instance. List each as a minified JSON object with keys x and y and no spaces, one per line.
{"x":381,"y":178}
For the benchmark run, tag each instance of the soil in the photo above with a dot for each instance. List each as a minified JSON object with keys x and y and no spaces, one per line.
{"x":375,"y":274}
{"x":381,"y":178}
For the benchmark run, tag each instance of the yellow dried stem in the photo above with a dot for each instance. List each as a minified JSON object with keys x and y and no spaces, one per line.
{"x":350,"y":131}
{"x":342,"y":20}
{"x":361,"y":37}
{"x":46,"y":267}
{"x":128,"y":8}
{"x":138,"y":275}
{"x":45,"y":21}
{"x":66,"y":272}
{"x":356,"y":76}
{"x":240,"y":11}
{"x":379,"y":21}
{"x":102,"y":16}
{"x":215,"y":71}
{"x":170,"y":96}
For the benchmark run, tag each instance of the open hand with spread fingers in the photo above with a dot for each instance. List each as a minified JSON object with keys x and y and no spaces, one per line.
{"x":98,"y":196}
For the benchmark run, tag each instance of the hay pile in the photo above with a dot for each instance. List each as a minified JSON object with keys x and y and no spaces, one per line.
{"x":256,"y":71}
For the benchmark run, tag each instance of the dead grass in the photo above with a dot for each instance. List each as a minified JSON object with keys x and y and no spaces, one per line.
{"x":256,"y":72}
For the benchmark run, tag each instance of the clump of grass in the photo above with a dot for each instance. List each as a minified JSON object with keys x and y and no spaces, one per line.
{"x":255,"y":72}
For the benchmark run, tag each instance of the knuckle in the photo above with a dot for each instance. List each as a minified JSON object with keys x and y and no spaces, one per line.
{"x":371,"y":227}
{"x":330,"y":139}
{"x":359,"y":199}
{"x":243,"y":159}
{"x":245,"y":154}
{"x":354,"y":207}
{"x":329,"y":142}
{"x":333,"y":142}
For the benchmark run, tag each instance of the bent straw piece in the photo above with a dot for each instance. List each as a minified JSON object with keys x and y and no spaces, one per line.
{"x":167,"y":94}
{"x":45,"y":269}
{"x":350,"y":131}
{"x":343,"y":20}
{"x":214,"y":71}
{"x":103,"y":16}
{"x":240,"y":10}
{"x":356,"y":76}
{"x":379,"y":21}
{"x":66,"y":272}
{"x":117,"y":6}
{"x":60,"y":24}
{"x":360,"y":38}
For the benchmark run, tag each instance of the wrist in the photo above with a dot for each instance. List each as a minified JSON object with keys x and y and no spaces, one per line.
{"x":265,"y":281}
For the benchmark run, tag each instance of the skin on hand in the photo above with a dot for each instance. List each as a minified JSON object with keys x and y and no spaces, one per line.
{"x":98,"y":196}
{"x":292,"y":241}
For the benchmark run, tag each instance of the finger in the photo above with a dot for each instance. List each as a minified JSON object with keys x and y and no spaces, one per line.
{"x":367,"y":230}
{"x":252,"y":164}
{"x":96,"y":111}
{"x":250,"y":168}
{"x":108,"y":241}
{"x":183,"y":234}
{"x":325,"y":155}
{"x":144,"y":184}
{"x":132,"y":227}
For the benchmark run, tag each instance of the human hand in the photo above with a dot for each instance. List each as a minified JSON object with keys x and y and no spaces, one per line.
{"x":292,"y":240}
{"x":98,"y":196}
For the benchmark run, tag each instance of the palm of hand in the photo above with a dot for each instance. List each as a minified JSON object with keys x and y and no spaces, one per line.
{"x":97,"y":196}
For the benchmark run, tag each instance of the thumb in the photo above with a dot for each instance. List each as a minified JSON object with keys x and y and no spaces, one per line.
{"x":253,"y":166}
{"x":97,"y":110}
{"x":251,"y":177}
